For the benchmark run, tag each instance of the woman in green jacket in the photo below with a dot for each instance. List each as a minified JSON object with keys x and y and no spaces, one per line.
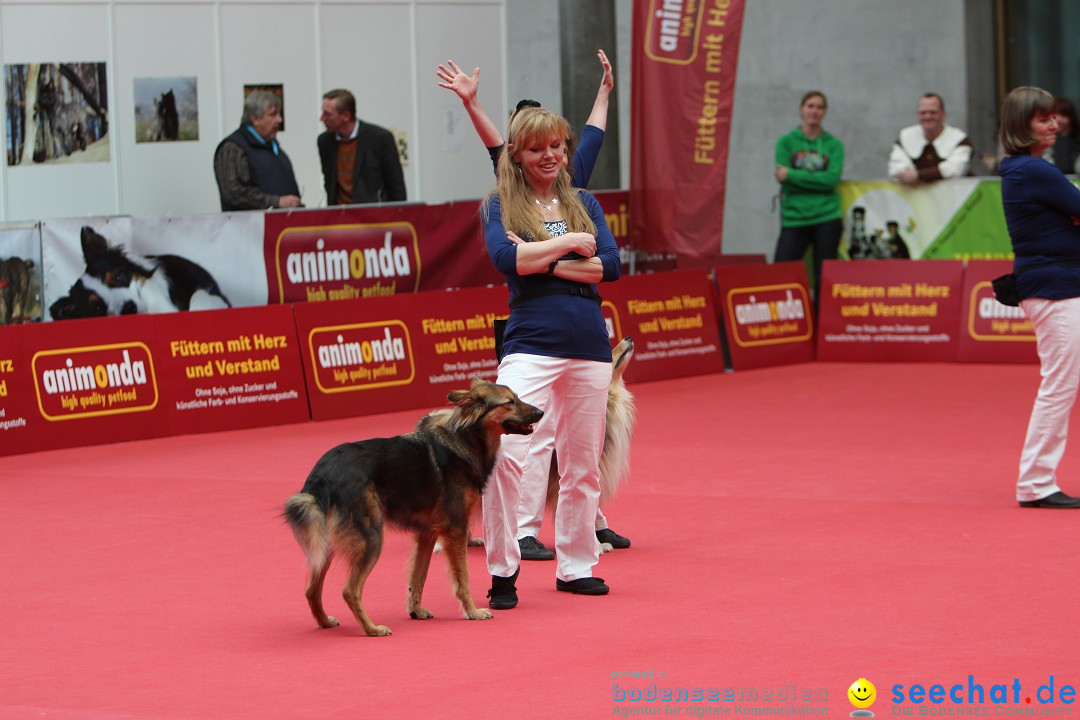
{"x":809,"y":162}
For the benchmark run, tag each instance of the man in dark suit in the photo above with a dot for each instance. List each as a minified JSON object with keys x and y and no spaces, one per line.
{"x":360,"y":161}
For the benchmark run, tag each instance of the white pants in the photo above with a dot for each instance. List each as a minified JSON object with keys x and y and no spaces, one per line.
{"x":534,"y":482}
{"x":1057,"y":335}
{"x":573,"y":396}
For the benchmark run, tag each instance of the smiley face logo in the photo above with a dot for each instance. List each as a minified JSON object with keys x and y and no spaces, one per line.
{"x":862,"y":693}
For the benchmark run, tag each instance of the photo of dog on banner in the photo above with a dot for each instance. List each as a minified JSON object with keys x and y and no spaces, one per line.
{"x":116,"y":281}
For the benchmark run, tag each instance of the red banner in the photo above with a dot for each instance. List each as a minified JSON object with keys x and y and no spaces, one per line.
{"x":79,"y":382}
{"x":682,"y":89}
{"x":993,"y":332}
{"x":402,"y":352}
{"x":362,"y":252}
{"x":671,"y":317}
{"x":230,"y":369}
{"x":85,"y":382}
{"x":890,"y":311}
{"x":395,"y":353}
{"x":767,"y":314}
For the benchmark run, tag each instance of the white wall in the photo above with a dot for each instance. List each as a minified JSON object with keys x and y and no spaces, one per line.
{"x":384,"y":51}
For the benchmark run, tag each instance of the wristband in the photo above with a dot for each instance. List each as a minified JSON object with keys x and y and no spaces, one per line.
{"x":551,"y":267}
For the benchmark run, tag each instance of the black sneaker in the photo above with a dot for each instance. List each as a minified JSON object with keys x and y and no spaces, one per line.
{"x":533,"y":549}
{"x":612,"y":538}
{"x":583,"y":586}
{"x":503,"y":592}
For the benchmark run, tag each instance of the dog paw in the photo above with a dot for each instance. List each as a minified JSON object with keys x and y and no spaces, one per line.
{"x":379,"y":631}
{"x":330,"y":622}
{"x":421,"y":614}
{"x":480,"y":614}
{"x":476,"y":542}
{"x":606,"y":548}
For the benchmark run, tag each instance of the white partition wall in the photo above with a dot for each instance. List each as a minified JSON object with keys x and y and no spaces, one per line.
{"x":167,"y":41}
{"x":384,"y":51}
{"x":454,"y":163}
{"x":63,"y":33}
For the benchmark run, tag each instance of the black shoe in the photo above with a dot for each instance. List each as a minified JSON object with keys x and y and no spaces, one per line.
{"x":533,"y":549}
{"x":503,"y":592}
{"x":583,"y":586}
{"x":1058,"y":500}
{"x":612,"y":538}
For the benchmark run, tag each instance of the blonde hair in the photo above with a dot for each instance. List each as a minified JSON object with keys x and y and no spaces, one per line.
{"x":520,"y":214}
{"x":1020,"y":106}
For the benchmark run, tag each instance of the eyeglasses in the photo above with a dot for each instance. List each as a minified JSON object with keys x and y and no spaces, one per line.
{"x":525,"y":104}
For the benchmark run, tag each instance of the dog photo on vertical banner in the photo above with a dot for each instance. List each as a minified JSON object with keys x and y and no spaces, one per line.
{"x":166,"y":109}
{"x":56,"y":112}
{"x":20,"y":275}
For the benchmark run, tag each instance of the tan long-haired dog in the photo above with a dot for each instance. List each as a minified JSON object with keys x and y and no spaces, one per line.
{"x":427,"y":482}
{"x":619,"y":428}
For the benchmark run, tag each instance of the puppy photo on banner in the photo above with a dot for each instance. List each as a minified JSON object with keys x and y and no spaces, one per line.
{"x":120,"y":266}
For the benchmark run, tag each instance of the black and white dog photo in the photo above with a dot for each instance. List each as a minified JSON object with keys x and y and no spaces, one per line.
{"x":115,"y":283}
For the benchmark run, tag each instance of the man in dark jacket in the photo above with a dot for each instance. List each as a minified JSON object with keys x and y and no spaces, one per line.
{"x":253,"y":172}
{"x":360,"y":161}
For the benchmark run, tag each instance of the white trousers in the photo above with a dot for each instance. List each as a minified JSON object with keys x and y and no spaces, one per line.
{"x":573,"y":396}
{"x":534,"y":482}
{"x":1057,"y":335}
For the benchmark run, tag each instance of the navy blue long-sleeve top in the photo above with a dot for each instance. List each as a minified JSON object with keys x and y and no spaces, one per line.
{"x":1040,"y":208}
{"x":556,"y":325}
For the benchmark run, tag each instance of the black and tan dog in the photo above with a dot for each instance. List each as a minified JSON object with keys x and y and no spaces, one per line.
{"x":426,"y":482}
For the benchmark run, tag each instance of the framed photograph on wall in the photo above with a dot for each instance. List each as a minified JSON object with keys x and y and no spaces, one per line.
{"x":166,"y":109}
{"x":56,"y":113}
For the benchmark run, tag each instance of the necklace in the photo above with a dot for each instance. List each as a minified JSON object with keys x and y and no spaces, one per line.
{"x":550,"y":204}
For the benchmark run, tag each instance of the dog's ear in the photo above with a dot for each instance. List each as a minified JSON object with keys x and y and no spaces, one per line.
{"x":93,"y":245}
{"x":471,"y":407}
{"x":455,"y":396}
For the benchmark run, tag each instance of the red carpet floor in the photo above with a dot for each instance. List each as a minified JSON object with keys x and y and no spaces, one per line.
{"x":802,"y":526}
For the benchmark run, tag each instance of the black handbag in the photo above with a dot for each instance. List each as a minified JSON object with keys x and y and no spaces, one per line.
{"x":1005,"y":290}
{"x":1005,"y":286}
{"x":499,"y":326}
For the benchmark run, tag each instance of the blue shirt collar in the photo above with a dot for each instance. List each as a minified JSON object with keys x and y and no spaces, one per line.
{"x":273,"y":143}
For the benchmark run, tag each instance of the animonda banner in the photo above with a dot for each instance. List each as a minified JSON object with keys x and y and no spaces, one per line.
{"x":684,"y":57}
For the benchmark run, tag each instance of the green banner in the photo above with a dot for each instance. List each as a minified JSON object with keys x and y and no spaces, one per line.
{"x":958,"y":219}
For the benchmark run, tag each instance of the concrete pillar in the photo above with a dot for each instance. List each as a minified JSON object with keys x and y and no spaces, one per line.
{"x":586,"y":26}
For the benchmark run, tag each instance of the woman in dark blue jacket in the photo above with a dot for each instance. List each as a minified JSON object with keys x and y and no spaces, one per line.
{"x":1042,"y":211}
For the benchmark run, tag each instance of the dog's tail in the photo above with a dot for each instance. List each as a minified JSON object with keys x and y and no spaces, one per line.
{"x":308,"y":523}
{"x":615,"y":456}
{"x":619,"y":428}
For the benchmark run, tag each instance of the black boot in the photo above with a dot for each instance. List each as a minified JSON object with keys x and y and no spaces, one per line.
{"x":503,"y":593}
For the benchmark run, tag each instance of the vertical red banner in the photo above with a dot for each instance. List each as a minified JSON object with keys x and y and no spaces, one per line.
{"x":683,"y":84}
